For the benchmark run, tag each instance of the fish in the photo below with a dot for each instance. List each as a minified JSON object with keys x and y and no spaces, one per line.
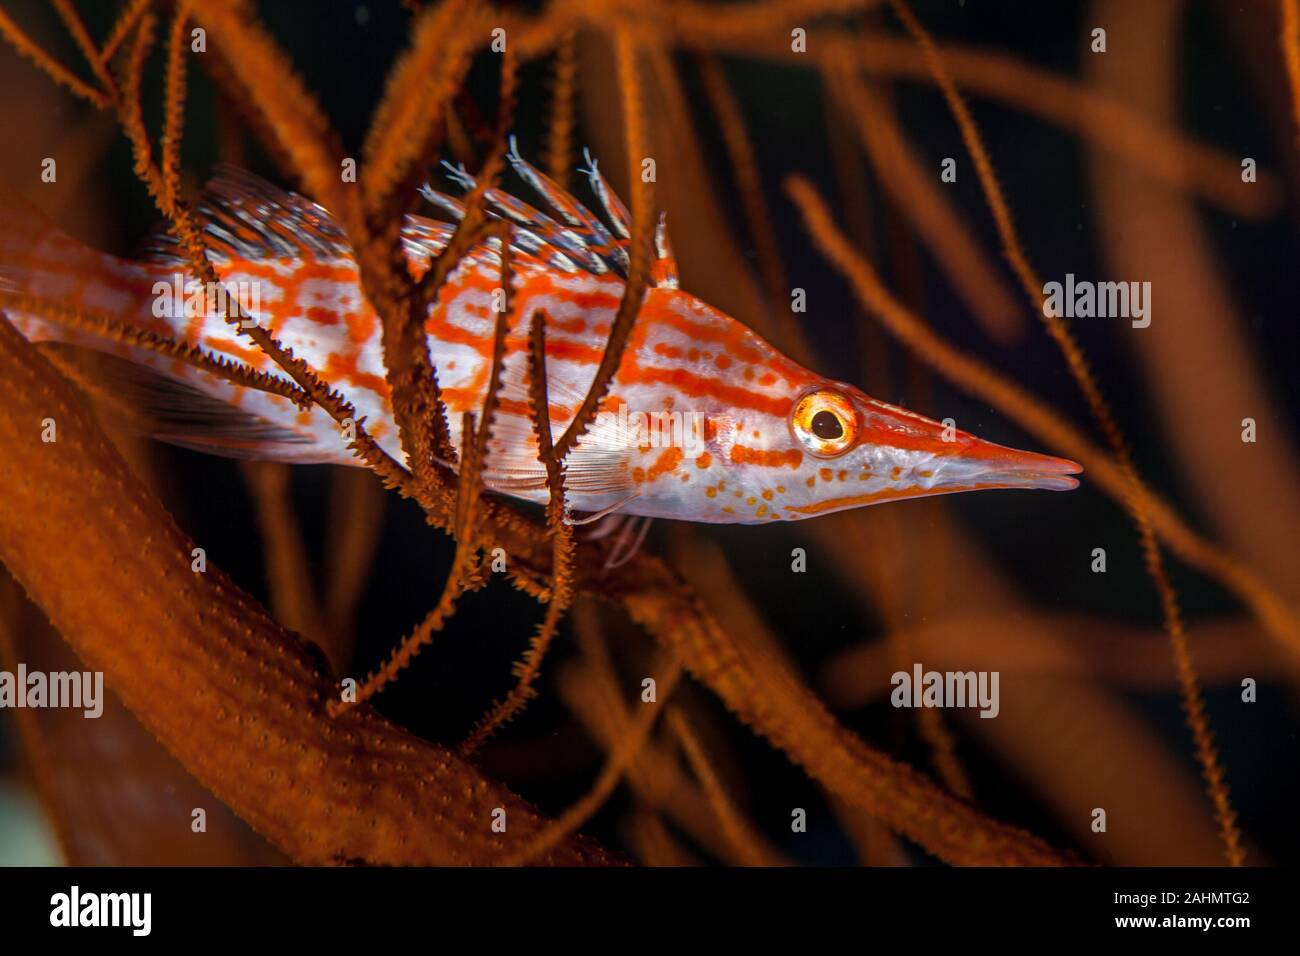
{"x":704,"y":420}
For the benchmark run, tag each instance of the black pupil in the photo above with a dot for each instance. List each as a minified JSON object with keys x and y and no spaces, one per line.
{"x":826,"y":426}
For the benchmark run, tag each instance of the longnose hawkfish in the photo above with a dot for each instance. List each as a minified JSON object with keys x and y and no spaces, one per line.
{"x":704,"y":421}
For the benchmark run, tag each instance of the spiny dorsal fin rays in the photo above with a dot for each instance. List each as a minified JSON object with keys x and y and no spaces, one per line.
{"x":618,"y":214}
{"x":664,"y":272}
{"x":546,"y":229}
{"x":579,"y":240}
{"x":593,"y":233}
{"x":247,"y":217}
{"x":448,"y":204}
{"x":528,"y":217}
{"x":524,"y":239}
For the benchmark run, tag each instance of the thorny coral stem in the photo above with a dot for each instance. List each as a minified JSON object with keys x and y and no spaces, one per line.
{"x":616,"y":764}
{"x":122,"y":28}
{"x":561,"y":533}
{"x":81,"y":37}
{"x":174,"y":107}
{"x":219,"y":366}
{"x":466,"y":524}
{"x":734,"y":827}
{"x":55,"y":70}
{"x":643,"y":228}
{"x":564,"y":89}
{"x":459,"y":579}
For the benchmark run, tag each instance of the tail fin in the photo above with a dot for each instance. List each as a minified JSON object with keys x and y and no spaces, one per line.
{"x":42,"y":263}
{"x":48,"y":279}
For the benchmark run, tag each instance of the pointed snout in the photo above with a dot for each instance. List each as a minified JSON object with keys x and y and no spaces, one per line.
{"x":996,"y":466}
{"x":955,"y":460}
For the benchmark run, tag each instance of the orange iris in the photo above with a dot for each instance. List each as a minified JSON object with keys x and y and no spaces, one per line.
{"x":825,"y":423}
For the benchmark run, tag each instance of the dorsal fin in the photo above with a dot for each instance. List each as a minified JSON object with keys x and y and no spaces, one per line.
{"x":571,"y":236}
{"x":246,"y":217}
{"x":574,"y":214}
{"x":614,"y":208}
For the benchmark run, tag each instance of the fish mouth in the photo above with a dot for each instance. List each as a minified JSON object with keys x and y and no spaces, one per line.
{"x":1023,"y":470}
{"x":984,"y":472}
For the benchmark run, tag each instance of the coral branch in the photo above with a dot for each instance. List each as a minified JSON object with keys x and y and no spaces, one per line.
{"x":81,"y":37}
{"x":615,"y":766}
{"x":971,"y":270}
{"x":55,"y":70}
{"x":561,"y":533}
{"x":122,"y":27}
{"x":1154,"y":148}
{"x":459,"y":579}
{"x":639,"y":245}
{"x":408,"y":124}
{"x":107,"y":328}
{"x":238,"y":700}
{"x":564,"y":89}
{"x":757,"y":216}
{"x":767,"y":696}
{"x":174,"y":107}
{"x":737,"y":829}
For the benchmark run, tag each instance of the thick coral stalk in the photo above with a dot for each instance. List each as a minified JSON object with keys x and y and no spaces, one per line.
{"x":236,"y":698}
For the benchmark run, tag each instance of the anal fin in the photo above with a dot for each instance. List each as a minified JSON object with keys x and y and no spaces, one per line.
{"x":172,"y":411}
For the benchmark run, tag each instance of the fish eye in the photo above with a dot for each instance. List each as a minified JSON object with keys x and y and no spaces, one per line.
{"x":825,"y":423}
